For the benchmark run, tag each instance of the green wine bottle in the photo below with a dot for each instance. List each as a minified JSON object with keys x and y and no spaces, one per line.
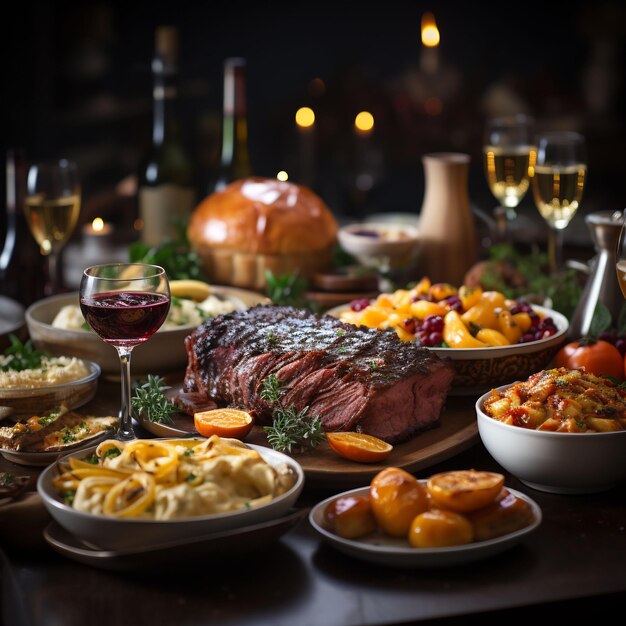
{"x":166,"y":193}
{"x":235,"y":158}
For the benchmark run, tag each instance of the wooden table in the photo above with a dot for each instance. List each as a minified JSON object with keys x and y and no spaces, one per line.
{"x":574,"y":564}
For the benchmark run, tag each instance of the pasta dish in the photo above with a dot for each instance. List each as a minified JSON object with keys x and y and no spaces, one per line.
{"x":561,"y":400}
{"x":170,"y":479}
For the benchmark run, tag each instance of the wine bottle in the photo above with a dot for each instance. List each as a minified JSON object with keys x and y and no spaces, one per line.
{"x":235,"y":158}
{"x":166,"y":189}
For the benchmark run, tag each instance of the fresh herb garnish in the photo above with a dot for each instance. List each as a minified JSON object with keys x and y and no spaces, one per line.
{"x":92,"y":459}
{"x":340,"y":331}
{"x":188,"y":452}
{"x":7,"y":479}
{"x":150,"y":400}
{"x":175,"y":256}
{"x":270,"y":389}
{"x":290,"y":428}
{"x":68,"y":496}
{"x":190,"y":478}
{"x":111,"y":453}
{"x":51,"y":417}
{"x":293,"y":429}
{"x":286,"y":289}
{"x":23,"y":356}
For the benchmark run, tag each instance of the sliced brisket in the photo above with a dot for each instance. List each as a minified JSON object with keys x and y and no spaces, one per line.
{"x":353,"y":378}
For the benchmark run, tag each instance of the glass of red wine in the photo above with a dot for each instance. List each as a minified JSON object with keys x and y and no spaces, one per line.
{"x":125,"y":304}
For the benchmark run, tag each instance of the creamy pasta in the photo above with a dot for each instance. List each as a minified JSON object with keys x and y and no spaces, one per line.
{"x":169,"y":479}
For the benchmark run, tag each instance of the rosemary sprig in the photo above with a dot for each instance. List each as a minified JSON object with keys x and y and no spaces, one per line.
{"x":150,"y":400}
{"x":270,"y":389}
{"x":291,"y":429}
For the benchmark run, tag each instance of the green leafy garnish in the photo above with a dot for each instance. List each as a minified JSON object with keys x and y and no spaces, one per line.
{"x":175,"y":256}
{"x":149,"y":399}
{"x":188,"y":452}
{"x":601,"y":320}
{"x":111,"y":453}
{"x":22,"y":356}
{"x":68,"y":496}
{"x":293,"y":429}
{"x":287,"y":289}
{"x":270,"y":389}
{"x":7,"y":479}
{"x":190,"y":478}
{"x":92,"y":459}
{"x":290,"y":428}
{"x":51,"y":417}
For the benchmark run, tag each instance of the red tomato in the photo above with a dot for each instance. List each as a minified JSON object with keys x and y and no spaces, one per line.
{"x":598,"y":357}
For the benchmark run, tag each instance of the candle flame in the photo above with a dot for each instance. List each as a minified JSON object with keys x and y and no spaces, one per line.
{"x":97,"y":224}
{"x":282,"y":176}
{"x":430,"y":32}
{"x":305,"y":117}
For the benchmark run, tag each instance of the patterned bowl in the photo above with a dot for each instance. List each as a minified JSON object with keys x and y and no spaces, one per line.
{"x":480,"y":369}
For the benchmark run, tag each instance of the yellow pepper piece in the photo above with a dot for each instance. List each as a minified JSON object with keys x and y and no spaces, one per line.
{"x":508,"y":326}
{"x":422,"y":287}
{"x":423,"y":308}
{"x":403,"y":334}
{"x":492,"y":337}
{"x":494,"y":297}
{"x":441,"y":291}
{"x":482,"y":314}
{"x":470,"y":296}
{"x":456,"y":335}
{"x":523,"y":321}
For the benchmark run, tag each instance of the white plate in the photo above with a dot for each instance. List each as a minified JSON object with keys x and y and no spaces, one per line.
{"x":122,"y":534}
{"x":396,"y":552}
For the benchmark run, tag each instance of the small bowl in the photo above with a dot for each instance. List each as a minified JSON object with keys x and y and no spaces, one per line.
{"x":164,"y":352}
{"x":27,"y":401}
{"x":395,"y":245}
{"x":567,"y":463}
{"x":125,"y":533}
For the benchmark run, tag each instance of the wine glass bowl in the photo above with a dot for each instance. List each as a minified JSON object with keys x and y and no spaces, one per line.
{"x":620,"y":265}
{"x":558,"y":182}
{"x":508,"y":156}
{"x":125,"y":304}
{"x":51,"y":207}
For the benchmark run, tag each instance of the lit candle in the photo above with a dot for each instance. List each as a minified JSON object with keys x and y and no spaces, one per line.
{"x":430,"y":40}
{"x":97,"y":237}
{"x":305,"y":123}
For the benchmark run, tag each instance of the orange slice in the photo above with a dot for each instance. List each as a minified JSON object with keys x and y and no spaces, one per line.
{"x":464,"y":490}
{"x":234,"y":423}
{"x":359,"y":447}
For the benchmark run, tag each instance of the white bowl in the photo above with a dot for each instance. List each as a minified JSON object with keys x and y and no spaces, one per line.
{"x":164,"y":352}
{"x":390,"y":244}
{"x":120,"y":534}
{"x":568,"y":463}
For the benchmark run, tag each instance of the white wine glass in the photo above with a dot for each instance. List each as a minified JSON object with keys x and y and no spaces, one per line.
{"x":558,"y":183}
{"x":52,"y":205}
{"x":509,"y":159}
{"x":125,"y":304}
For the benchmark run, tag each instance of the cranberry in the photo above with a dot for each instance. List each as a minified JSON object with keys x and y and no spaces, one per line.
{"x":534,"y":320}
{"x":419,"y":297}
{"x":435,"y":339}
{"x":433,"y":323}
{"x":526,"y":337}
{"x":410,"y":325}
{"x":454,"y":303}
{"x":620,"y":344}
{"x":610,"y":337}
{"x":360,"y":304}
{"x":514,"y":310}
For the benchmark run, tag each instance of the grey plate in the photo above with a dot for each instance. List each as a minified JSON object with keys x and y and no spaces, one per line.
{"x":396,"y":552}
{"x":240,"y":541}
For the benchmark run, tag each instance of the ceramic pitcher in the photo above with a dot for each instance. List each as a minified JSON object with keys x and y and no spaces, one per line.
{"x":447,"y":231}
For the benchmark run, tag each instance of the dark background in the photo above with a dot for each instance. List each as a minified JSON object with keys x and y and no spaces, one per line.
{"x":76,"y":82}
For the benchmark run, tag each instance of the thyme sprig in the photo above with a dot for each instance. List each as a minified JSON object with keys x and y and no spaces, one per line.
{"x":291,"y":429}
{"x":150,"y":400}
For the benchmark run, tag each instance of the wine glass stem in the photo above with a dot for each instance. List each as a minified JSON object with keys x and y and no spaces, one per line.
{"x":555,"y":249}
{"x":125,"y":432}
{"x":52,"y":286}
